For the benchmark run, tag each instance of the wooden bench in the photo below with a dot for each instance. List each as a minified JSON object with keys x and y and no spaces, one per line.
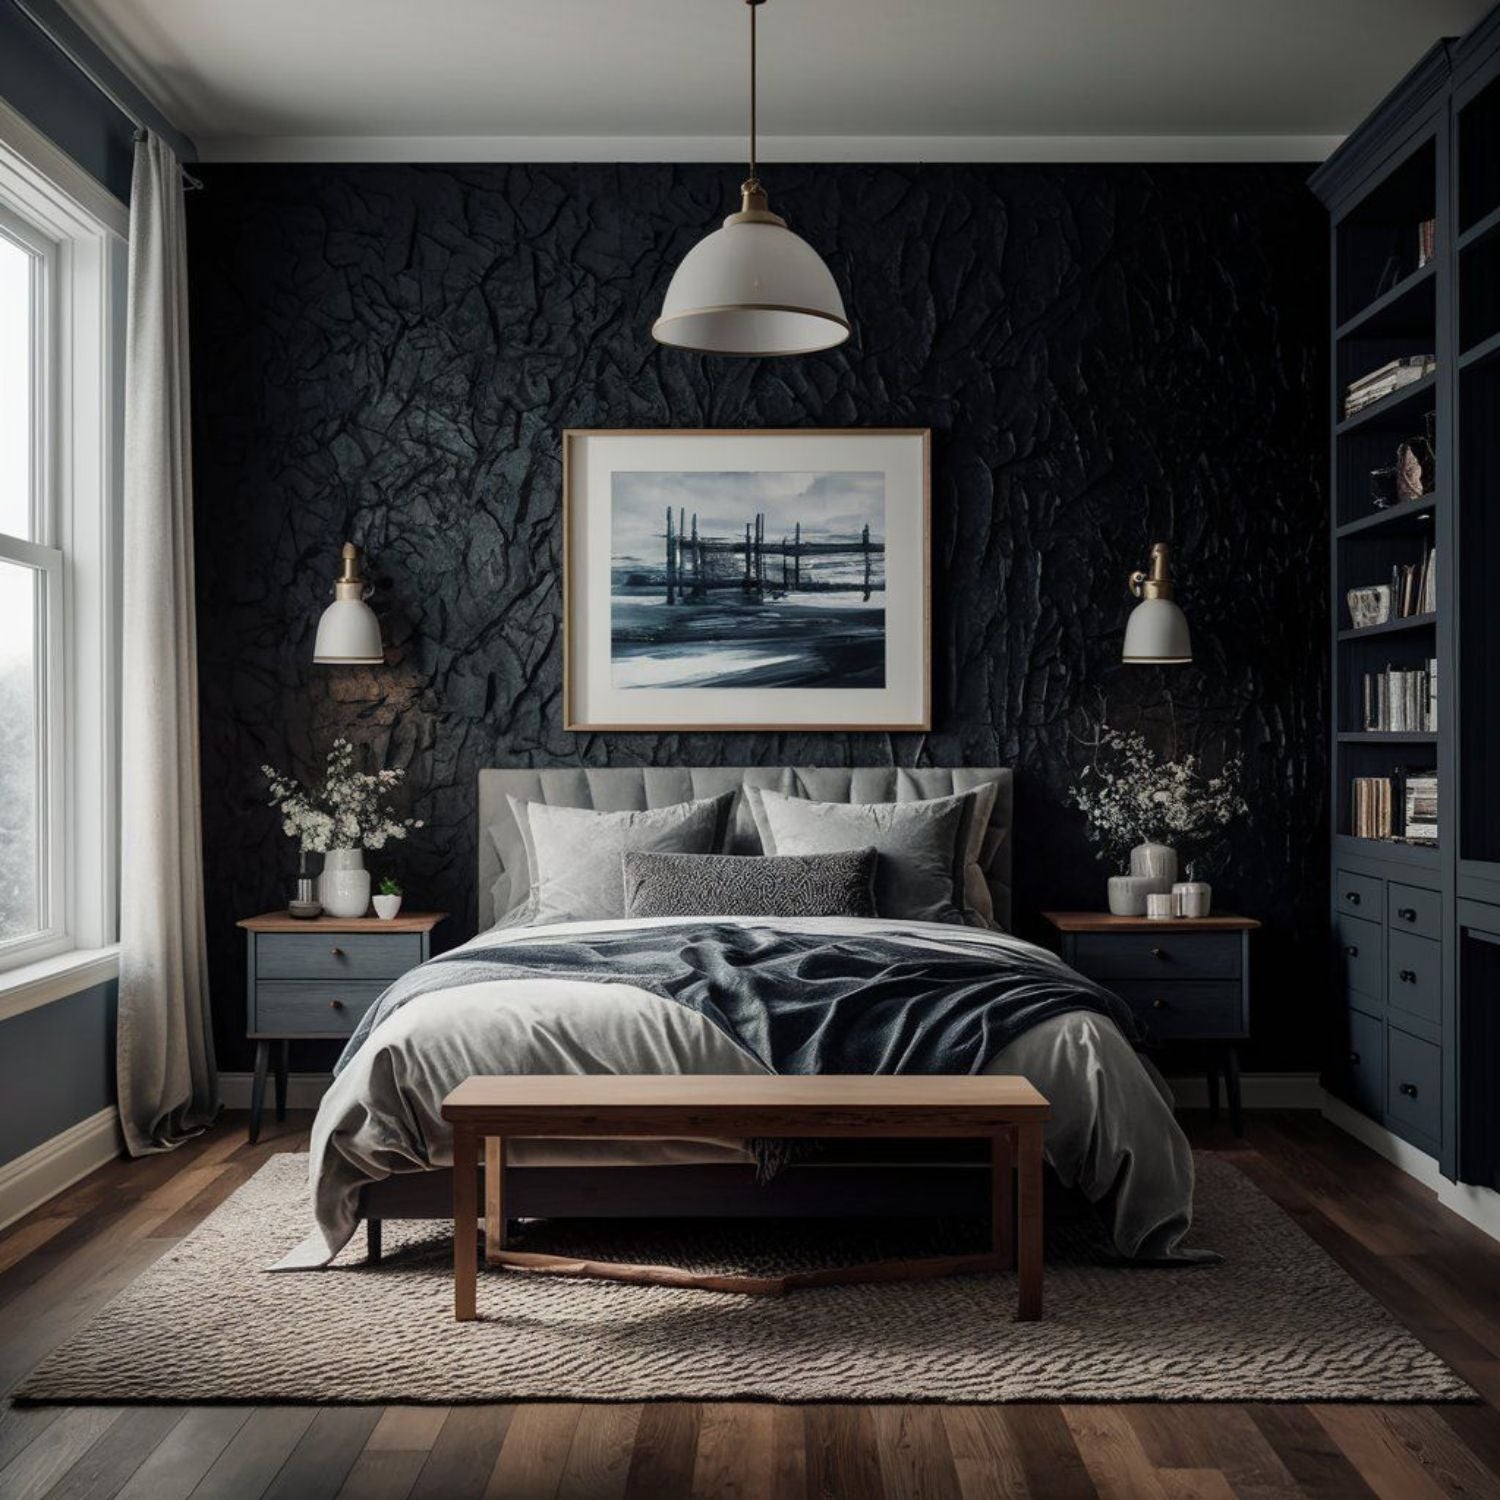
{"x":1008,"y":1112}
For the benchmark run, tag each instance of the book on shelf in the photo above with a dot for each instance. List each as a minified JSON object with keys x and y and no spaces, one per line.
{"x":1401,"y":807}
{"x":1392,"y":376}
{"x":1400,"y":700}
{"x":1426,"y":242}
{"x":1414,"y":586}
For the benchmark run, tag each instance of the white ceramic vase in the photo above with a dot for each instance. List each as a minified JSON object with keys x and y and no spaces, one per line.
{"x":386,"y":907}
{"x":1159,"y":861}
{"x":344,"y":885}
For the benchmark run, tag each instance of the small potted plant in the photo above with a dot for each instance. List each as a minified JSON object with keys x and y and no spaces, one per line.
{"x":388,"y":898}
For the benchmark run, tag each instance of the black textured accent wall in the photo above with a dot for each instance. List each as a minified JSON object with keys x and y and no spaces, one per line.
{"x":1106,"y":355}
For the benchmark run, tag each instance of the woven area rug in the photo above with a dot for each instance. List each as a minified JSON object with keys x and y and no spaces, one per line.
{"x":1277,"y":1320}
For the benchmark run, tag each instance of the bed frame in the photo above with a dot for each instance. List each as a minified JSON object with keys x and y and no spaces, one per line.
{"x":886,"y":1179}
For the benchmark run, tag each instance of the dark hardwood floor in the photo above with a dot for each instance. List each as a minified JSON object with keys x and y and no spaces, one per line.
{"x":1436,"y":1273}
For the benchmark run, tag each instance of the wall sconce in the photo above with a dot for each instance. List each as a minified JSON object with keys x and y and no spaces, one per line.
{"x":1156,"y":633}
{"x":349,"y":631}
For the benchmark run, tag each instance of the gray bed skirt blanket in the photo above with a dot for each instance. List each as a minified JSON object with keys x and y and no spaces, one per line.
{"x":744,"y":995}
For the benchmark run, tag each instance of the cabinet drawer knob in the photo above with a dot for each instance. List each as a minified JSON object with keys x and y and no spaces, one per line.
{"x":1354,"y":1059}
{"x":1409,"y":1089}
{"x":335,"y":952}
{"x":1407,"y":913}
{"x":1408,"y":976}
{"x":1352,"y":897}
{"x":1352,"y":950}
{"x":335,"y":1005}
{"x":1158,"y":1005}
{"x":1158,"y":953}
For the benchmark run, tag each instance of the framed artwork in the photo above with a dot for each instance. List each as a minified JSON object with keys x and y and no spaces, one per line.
{"x":746,"y":579}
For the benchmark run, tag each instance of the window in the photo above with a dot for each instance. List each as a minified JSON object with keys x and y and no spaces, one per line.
{"x":61,"y":340}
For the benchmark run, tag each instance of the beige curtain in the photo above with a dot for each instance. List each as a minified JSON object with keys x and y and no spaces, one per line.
{"x":168,"y":1085}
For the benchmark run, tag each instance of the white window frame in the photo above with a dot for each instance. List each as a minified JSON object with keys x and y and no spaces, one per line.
{"x":80,"y":230}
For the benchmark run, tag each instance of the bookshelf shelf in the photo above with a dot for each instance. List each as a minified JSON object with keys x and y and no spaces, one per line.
{"x":1391,"y":627}
{"x":1409,"y":516}
{"x":1475,"y":233}
{"x":1398,"y":405}
{"x":1406,"y":308}
{"x":1387,"y":737}
{"x":1388,"y":850}
{"x":1486,"y":349}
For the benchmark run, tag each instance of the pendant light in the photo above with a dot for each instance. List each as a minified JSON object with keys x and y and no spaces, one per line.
{"x":349,"y":631}
{"x":1156,"y":634}
{"x":752,"y":287}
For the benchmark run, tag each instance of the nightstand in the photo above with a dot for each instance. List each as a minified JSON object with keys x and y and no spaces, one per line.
{"x":1187,"y":980}
{"x":314,"y":980}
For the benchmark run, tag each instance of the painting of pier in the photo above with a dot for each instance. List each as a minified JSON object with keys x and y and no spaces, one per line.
{"x":747,"y":579}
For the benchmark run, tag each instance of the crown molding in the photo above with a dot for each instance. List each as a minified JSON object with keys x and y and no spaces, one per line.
{"x":728,"y":149}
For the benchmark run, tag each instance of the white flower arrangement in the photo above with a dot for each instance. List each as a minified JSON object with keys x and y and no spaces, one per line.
{"x":345,"y":812}
{"x":1129,"y":795}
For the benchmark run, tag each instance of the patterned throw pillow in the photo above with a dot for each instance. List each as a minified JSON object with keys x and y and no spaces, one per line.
{"x":741,"y":885}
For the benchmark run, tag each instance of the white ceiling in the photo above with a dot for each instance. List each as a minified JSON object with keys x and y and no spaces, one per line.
{"x":840,"y":79}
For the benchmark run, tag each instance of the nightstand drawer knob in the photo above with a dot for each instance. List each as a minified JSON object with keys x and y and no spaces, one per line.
{"x":335,"y":952}
{"x":1158,"y":1005}
{"x":1158,"y":953}
{"x":1407,"y":914}
{"x":1408,"y":976}
{"x":335,"y":1005}
{"x":1409,"y":1089}
{"x":1352,"y":950}
{"x":1352,"y":897}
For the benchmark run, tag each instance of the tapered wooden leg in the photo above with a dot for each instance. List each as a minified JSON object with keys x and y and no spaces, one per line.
{"x":283,"y":1049}
{"x":494,"y":1196}
{"x":465,"y":1222}
{"x":1029,"y":1219}
{"x":258,"y":1088}
{"x":1232,"y":1080}
{"x":1003,"y":1197}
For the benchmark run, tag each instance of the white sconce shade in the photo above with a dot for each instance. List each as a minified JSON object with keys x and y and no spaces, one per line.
{"x":349,"y":631}
{"x":753,"y":288}
{"x":1156,"y":634}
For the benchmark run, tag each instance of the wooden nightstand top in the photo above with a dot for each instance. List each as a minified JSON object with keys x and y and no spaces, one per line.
{"x":1103,"y":921}
{"x":280,"y":921}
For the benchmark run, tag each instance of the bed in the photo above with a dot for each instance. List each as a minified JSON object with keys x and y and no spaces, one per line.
{"x":380,"y":1150}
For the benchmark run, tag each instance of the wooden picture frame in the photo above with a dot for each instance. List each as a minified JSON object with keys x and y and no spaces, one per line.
{"x":788,"y":575}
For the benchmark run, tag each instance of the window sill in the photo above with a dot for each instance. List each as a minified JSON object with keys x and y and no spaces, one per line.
{"x":55,"y":978}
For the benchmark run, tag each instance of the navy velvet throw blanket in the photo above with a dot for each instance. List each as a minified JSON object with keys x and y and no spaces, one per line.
{"x":916,"y":999}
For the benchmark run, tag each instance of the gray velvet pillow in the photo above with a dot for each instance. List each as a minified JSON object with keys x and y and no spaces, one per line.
{"x":740,"y":885}
{"x":923,"y":846}
{"x":574,"y":852}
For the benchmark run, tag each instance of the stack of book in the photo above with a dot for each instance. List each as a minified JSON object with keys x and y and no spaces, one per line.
{"x":1401,"y":807}
{"x":1401,"y":700}
{"x":1414,"y":586}
{"x":1426,"y":241}
{"x":1389,"y":378}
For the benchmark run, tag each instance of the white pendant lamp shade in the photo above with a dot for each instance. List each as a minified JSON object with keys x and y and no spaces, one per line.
{"x":752,"y":287}
{"x":1156,"y":634}
{"x":349,"y":631}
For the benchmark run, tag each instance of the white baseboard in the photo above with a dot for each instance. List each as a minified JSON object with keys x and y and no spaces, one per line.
{"x":1479,"y":1205}
{"x":303,"y":1090}
{"x":44,"y":1171}
{"x":1259,"y":1090}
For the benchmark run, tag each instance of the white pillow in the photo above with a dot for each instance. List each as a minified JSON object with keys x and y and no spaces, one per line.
{"x":574,"y":853}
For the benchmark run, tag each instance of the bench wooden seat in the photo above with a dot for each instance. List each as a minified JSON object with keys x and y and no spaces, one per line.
{"x":1008,"y":1112}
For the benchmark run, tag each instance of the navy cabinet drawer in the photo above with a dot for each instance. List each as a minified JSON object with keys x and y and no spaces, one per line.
{"x":301,"y":1007}
{"x":1415,"y":973}
{"x":1171,"y":955}
{"x":1359,"y":959}
{"x":1362,"y":1067}
{"x":1410,"y":908}
{"x":1414,"y":1092}
{"x":1361,"y":894}
{"x":374,"y":955}
{"x":1184,"y":1009}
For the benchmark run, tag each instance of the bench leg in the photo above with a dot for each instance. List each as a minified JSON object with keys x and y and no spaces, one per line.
{"x":1003,"y":1197}
{"x":1029,"y":1217}
{"x":465,"y":1222}
{"x":494,"y":1196}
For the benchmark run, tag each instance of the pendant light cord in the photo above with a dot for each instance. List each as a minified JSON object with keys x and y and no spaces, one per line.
{"x":754,"y":6}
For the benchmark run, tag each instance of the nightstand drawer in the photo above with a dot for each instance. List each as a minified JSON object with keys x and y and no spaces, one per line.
{"x":1415,"y":970}
{"x":1413,"y":909}
{"x":1362,"y":1068}
{"x":364,"y":955}
{"x":1185,"y":1009}
{"x":1147,"y":955}
{"x":1359,"y":961}
{"x":1414,"y":1094}
{"x":301,"y":1007}
{"x":1358,"y":893}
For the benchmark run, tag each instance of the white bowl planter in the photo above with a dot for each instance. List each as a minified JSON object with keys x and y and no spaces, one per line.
{"x":386,"y":907}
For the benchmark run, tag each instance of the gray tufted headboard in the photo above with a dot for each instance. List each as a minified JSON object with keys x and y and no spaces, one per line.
{"x":503,"y":876}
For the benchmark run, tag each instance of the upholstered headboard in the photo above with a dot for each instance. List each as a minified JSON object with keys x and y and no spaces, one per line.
{"x":503,"y":876}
